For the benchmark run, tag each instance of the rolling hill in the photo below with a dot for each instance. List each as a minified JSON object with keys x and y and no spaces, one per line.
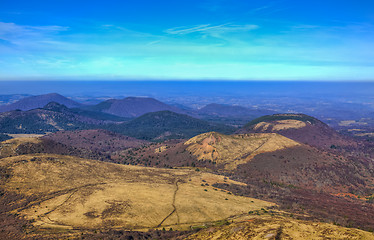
{"x":21,"y":146}
{"x":53,"y":117}
{"x":298,"y":177}
{"x":131,"y":107}
{"x":154,"y":126}
{"x":39,"y":101}
{"x":233,"y":150}
{"x":63,"y":195}
{"x":56,"y":107}
{"x":301,"y":128}
{"x":86,"y":195}
{"x":166,"y":125}
{"x":267,"y":156}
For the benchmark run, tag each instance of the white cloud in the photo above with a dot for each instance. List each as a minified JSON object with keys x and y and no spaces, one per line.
{"x":117,"y":50}
{"x":13,"y":32}
{"x":209,"y":29}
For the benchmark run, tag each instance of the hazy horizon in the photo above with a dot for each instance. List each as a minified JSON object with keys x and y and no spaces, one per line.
{"x":97,"y":88}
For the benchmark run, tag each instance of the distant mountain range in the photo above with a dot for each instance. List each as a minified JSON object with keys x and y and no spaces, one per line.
{"x":132,"y":107}
{"x":155,"y":126}
{"x":150,"y":119}
{"x":143,"y":118}
{"x":39,"y":101}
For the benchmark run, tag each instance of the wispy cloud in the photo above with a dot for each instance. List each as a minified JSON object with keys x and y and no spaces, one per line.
{"x":12,"y":32}
{"x":104,"y":50}
{"x":209,"y":29}
{"x":121,"y":32}
{"x":259,"y":9}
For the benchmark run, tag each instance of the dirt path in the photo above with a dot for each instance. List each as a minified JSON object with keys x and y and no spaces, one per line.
{"x":56,"y":194}
{"x":55,"y":208}
{"x":173,"y":204}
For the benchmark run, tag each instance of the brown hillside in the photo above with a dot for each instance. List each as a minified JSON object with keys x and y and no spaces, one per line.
{"x":307,"y":167}
{"x":261,"y":156}
{"x":95,"y":140}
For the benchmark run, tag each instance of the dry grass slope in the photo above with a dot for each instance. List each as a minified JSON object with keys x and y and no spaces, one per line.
{"x":280,"y":227}
{"x":74,"y":193}
{"x":232,"y":150}
{"x":9,"y":147}
{"x":280,"y":125}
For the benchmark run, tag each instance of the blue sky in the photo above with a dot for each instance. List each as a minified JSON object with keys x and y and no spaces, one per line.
{"x":205,"y":39}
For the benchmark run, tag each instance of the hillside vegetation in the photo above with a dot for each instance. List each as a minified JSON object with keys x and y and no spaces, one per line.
{"x":95,"y":140}
{"x":167,"y":125}
{"x":53,"y":117}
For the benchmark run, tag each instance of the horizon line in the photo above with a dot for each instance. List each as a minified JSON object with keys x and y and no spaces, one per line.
{"x":188,"y":80}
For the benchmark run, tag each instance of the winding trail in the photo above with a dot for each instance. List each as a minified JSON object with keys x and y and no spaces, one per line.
{"x":173,"y":204}
{"x":57,"y":194}
{"x":255,"y":150}
{"x":67,"y":199}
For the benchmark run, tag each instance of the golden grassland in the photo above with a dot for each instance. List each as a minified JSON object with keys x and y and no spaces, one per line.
{"x":9,"y":147}
{"x":233,"y":150}
{"x":21,"y":135}
{"x":74,"y":193}
{"x":266,"y":226}
{"x":280,"y":125}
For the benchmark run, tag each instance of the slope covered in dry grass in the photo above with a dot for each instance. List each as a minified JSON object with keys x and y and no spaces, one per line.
{"x":67,"y":192}
{"x":279,"y":227}
{"x":233,"y":150}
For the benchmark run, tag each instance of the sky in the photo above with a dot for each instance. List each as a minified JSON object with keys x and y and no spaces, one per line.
{"x":187,"y":40}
